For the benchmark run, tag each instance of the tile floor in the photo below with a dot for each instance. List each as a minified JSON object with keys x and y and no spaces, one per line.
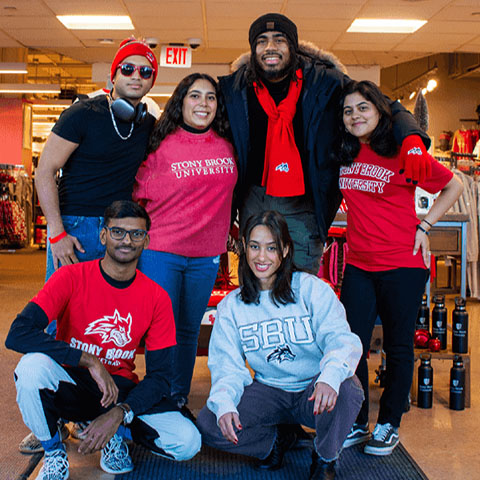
{"x":443,"y":442}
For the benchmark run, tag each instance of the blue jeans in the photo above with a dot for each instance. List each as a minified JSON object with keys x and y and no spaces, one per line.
{"x":189,"y":282}
{"x":87,"y":230}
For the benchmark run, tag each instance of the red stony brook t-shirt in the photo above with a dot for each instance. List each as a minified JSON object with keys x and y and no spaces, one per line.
{"x":108,"y":322}
{"x":381,"y":218}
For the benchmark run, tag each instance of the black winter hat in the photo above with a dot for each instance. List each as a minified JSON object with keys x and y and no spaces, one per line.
{"x":273,"y":21}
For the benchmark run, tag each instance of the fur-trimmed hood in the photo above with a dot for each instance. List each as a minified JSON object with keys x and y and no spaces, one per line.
{"x":307,"y":49}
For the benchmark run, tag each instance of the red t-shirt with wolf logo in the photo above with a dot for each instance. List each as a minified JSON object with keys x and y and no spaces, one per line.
{"x":108,"y":322}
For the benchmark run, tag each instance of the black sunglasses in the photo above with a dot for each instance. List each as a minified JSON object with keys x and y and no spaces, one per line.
{"x":127,"y":70}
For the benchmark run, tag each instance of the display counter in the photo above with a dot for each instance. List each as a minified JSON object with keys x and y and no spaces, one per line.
{"x":447,"y":237}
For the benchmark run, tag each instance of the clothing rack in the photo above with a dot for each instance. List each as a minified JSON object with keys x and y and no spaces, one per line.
{"x":454,"y":156}
{"x":10,"y":166}
{"x":13,"y":229}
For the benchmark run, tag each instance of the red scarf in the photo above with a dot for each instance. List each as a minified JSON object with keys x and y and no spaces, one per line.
{"x":282,"y":170}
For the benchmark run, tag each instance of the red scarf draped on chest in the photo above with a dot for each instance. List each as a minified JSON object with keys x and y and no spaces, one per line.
{"x":282,"y":170}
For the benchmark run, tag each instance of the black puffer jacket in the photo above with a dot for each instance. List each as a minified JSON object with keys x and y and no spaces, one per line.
{"x":323,"y":79}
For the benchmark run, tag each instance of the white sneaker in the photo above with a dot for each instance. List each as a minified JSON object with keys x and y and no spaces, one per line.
{"x":115,"y":458}
{"x":55,"y":466}
{"x":384,"y":440}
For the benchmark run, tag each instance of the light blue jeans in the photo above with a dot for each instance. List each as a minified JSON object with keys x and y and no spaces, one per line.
{"x":189,"y":282}
{"x":87,"y":230}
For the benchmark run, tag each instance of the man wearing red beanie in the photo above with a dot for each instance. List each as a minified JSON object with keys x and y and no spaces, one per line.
{"x":98,"y":144}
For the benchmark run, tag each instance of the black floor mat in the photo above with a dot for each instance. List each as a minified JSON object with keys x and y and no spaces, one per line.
{"x":212,"y":464}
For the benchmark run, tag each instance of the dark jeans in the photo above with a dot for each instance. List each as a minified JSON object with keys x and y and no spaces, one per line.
{"x":395,"y":296}
{"x":302,"y":224}
{"x":262,"y":408}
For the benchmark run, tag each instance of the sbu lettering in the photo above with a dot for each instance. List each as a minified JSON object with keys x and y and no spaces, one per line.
{"x":275,"y":332}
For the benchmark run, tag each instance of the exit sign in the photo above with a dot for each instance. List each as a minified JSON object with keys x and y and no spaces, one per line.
{"x":176,"y":56}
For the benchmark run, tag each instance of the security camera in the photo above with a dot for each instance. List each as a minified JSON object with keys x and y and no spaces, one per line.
{"x":194,"y":42}
{"x":152,"y":42}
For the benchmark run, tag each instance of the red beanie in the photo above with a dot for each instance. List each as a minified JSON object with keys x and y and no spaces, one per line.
{"x":131,"y":46}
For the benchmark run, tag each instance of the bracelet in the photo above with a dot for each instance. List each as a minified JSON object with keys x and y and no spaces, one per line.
{"x":58,"y":237}
{"x":419,"y":227}
{"x":427,"y":222}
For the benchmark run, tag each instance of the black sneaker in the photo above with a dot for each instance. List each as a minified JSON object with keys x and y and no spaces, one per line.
{"x":284,"y":441}
{"x":358,"y":434}
{"x":384,"y":440}
{"x":321,"y":470}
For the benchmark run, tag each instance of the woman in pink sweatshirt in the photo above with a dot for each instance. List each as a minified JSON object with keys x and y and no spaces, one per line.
{"x":186,"y":185}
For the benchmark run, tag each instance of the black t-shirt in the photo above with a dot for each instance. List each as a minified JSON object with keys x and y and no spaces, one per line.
{"x":102,"y":168}
{"x":258,"y":123}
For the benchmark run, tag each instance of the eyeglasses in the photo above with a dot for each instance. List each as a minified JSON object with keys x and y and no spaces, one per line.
{"x":127,"y":70}
{"x":117,"y":233}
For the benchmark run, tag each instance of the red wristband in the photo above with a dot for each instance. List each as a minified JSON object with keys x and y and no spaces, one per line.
{"x":58,"y":237}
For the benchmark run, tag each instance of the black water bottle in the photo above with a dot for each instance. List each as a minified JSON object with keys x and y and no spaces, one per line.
{"x":423,"y":317}
{"x":425,"y":382}
{"x":460,"y":327}
{"x":439,"y":320}
{"x":457,"y":384}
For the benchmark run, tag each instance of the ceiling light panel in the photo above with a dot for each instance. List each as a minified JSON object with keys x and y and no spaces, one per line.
{"x":385,"y":25}
{"x":96,"y":22}
{"x":18,"y":68}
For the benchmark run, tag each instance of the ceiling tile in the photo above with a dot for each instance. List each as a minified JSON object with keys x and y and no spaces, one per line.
{"x":86,"y":7}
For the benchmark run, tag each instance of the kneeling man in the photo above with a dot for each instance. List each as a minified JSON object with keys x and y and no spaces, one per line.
{"x":104,"y":309}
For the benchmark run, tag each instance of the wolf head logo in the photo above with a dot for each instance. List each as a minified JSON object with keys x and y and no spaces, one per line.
{"x":281,"y":354}
{"x":112,"y":329}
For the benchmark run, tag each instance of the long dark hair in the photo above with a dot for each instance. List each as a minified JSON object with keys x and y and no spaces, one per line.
{"x":282,"y":287}
{"x":382,"y":141}
{"x":172,"y":118}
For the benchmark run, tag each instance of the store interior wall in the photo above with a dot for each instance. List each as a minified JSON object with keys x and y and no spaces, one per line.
{"x":452,"y":100}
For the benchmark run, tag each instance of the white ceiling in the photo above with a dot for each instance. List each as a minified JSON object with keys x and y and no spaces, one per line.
{"x":223,"y":26}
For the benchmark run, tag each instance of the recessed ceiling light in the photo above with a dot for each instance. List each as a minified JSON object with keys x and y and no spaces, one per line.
{"x":96,"y":22}
{"x":13,"y":68}
{"x":29,"y":88}
{"x":385,"y":25}
{"x":106,"y":41}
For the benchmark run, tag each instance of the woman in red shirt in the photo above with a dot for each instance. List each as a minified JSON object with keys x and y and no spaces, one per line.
{"x":388,"y":257}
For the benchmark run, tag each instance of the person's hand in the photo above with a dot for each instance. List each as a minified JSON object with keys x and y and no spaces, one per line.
{"x":100,"y":431}
{"x":103,"y":379}
{"x":324,"y":397}
{"x":228,"y":423}
{"x":63,"y":251}
{"x":422,"y":242}
{"x":414,"y":160}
